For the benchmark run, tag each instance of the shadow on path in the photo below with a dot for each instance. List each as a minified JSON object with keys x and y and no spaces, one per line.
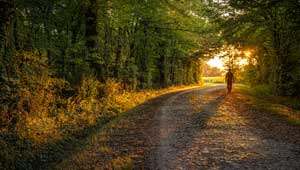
{"x":166,"y":155}
{"x":49,"y":155}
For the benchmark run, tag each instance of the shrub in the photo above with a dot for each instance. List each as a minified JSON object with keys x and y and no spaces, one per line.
{"x":36,"y":113}
{"x":263,"y":90}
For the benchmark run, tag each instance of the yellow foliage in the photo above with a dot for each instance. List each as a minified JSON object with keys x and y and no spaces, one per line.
{"x":89,"y":88}
{"x":43,"y":114}
{"x":105,"y":149}
{"x":112,"y":88}
{"x":46,"y":116}
{"x":63,"y":118}
{"x":122,"y":163}
{"x":38,"y":95}
{"x":39,"y":129}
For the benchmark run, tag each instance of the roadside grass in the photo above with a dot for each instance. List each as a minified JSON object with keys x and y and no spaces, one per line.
{"x":20,"y":153}
{"x":261,"y":97}
{"x":102,"y":136}
{"x":213,"y":79}
{"x":96,"y":136}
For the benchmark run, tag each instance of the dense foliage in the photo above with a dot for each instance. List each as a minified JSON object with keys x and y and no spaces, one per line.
{"x":67,"y":64}
{"x":270,"y":29}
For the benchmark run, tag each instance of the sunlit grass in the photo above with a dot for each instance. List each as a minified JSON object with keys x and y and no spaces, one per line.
{"x":283,"y":106}
{"x":213,"y":79}
{"x":122,"y":163}
{"x":101,"y":141}
{"x":48,"y":121}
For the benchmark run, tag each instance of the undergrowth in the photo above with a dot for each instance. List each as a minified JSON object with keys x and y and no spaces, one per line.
{"x":264,"y":99}
{"x":46,"y":118}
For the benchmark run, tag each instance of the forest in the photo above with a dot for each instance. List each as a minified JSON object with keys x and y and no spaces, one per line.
{"x":69,"y":65}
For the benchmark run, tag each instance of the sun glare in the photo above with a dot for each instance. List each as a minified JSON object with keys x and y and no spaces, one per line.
{"x":223,"y":59}
{"x":247,"y":53}
{"x":243,"y":62}
{"x":216,"y":62}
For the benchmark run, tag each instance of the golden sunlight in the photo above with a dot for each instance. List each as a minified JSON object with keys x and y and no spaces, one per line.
{"x":243,"y":62}
{"x":216,"y":62}
{"x":247,"y":53}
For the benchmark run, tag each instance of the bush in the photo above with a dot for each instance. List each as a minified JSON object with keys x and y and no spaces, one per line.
{"x":37,"y":114}
{"x":263,"y":90}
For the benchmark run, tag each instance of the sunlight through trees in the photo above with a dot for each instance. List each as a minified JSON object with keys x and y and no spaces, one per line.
{"x":66,"y":65}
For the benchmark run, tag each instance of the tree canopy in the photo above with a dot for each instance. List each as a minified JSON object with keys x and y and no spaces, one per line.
{"x":271,"y":30}
{"x":145,"y":44}
{"x":67,"y":64}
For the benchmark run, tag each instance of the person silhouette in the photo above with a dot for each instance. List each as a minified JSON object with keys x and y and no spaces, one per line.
{"x":229,"y":80}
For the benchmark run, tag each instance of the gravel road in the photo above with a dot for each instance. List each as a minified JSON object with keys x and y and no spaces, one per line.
{"x":195,"y":129}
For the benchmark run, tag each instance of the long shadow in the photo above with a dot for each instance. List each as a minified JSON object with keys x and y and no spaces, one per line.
{"x":184,"y":135}
{"x":199,"y":122}
{"x":49,"y":155}
{"x":209,"y":110}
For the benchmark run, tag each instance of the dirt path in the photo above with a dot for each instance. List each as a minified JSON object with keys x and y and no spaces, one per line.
{"x":176,"y":128}
{"x":195,"y":129}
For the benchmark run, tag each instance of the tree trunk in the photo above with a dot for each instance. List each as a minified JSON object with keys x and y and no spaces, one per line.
{"x":91,"y":26}
{"x":7,"y":10}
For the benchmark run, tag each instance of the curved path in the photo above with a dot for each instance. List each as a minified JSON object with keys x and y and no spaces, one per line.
{"x":195,"y":129}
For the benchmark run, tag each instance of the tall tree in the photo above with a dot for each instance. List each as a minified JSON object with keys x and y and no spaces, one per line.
{"x":268,"y":26}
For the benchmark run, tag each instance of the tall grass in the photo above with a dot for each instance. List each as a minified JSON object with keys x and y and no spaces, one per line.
{"x":47,"y":119}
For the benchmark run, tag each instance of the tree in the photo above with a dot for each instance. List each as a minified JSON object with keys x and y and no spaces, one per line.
{"x":269,"y":27}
